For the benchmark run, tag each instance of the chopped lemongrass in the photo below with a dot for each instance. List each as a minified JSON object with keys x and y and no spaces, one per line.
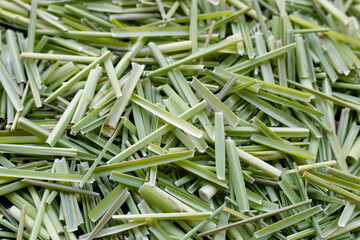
{"x":113,"y":118}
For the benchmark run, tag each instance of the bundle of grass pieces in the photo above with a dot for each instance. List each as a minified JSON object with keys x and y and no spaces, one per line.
{"x":157,"y":119}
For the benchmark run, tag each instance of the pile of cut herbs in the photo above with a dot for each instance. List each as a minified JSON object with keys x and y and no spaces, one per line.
{"x":158,"y":119}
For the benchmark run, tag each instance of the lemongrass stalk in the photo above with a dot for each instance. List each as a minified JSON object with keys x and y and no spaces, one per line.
{"x":171,"y":119}
{"x":20,"y":233}
{"x":208,"y":191}
{"x":126,"y":179}
{"x":100,"y":156}
{"x":118,"y":108}
{"x":40,"y":175}
{"x":143,"y":162}
{"x":76,"y":78}
{"x":88,"y":15}
{"x":15,"y":55}
{"x":126,"y":59}
{"x":63,"y":70}
{"x":113,"y":208}
{"x":110,"y":70}
{"x":37,"y":150}
{"x":109,"y":231}
{"x":287,"y":222}
{"x":193,"y":26}
{"x":164,"y":216}
{"x":209,"y":50}
{"x":39,"y":216}
{"x":283,"y":147}
{"x":87,"y":94}
{"x":60,"y":187}
{"x":32,"y":26}
{"x":203,"y":223}
{"x":312,"y":166}
{"x":236,"y":176}
{"x":259,"y":164}
{"x":167,"y":48}
{"x":29,"y":222}
{"x":317,"y":180}
{"x":64,"y":120}
{"x":57,"y":57}
{"x":215,"y":103}
{"x":254,"y":218}
{"x":334,"y":34}
{"x":262,"y":58}
{"x":11,"y":88}
{"x":220,"y":146}
{"x":167,"y":203}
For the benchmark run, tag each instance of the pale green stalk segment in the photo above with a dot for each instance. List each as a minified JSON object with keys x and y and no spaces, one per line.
{"x":262,"y":58}
{"x":64,"y":120}
{"x":317,"y":180}
{"x":157,"y":133}
{"x":60,"y":187}
{"x":164,"y":216}
{"x":282,"y":146}
{"x":71,"y":82}
{"x":272,"y":111}
{"x":312,"y":166}
{"x":39,"y":216}
{"x":127,"y":180}
{"x":284,"y":132}
{"x":169,"y":204}
{"x":220,"y":146}
{"x":167,"y":48}
{"x":335,"y":11}
{"x":29,"y":222}
{"x":99,"y":210}
{"x":143,"y":162}
{"x":110,"y":231}
{"x":118,"y":108}
{"x":201,"y":53}
{"x":10,"y":86}
{"x":14,"y":52}
{"x":87,"y":95}
{"x":100,"y":156}
{"x":113,"y":208}
{"x":286,"y":222}
{"x":126,"y":59}
{"x":227,"y":19}
{"x":240,"y":5}
{"x":343,"y":175}
{"x":168,"y":117}
{"x":327,"y":97}
{"x":32,"y":26}
{"x":289,"y":103}
{"x":346,"y":214}
{"x":277,"y":89}
{"x":255,"y":218}
{"x":126,"y":32}
{"x":41,"y":175}
{"x":236,"y":176}
{"x":193,"y":31}
{"x":37,"y":150}
{"x":20,"y":232}
{"x":338,"y":36}
{"x":259,"y":164}
{"x":215,"y":103}
{"x":110,"y":70}
{"x":264,"y":129}
{"x":201,"y":172}
{"x":88,"y":15}
{"x":57,"y":57}
{"x":204,"y":222}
